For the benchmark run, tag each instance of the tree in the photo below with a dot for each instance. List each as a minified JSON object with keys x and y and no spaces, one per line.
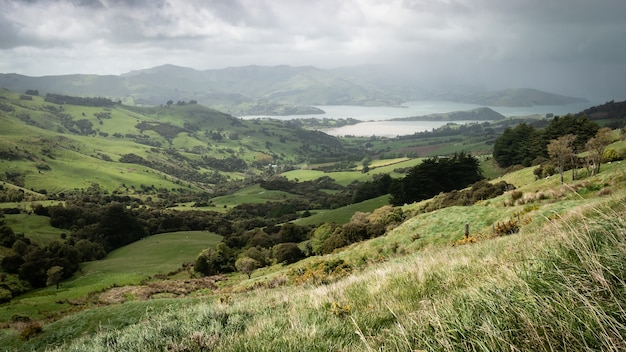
{"x":321,"y":234}
{"x":580,"y":126}
{"x":561,"y":150}
{"x":515,"y":146}
{"x":54,"y":276}
{"x":246,"y":265}
{"x":596,"y":146}
{"x":287,"y":253}
{"x":117,"y":227}
{"x":12,"y":263}
{"x":366,"y":164}
{"x":436,"y":175}
{"x":20,"y":247}
{"x":208,"y":262}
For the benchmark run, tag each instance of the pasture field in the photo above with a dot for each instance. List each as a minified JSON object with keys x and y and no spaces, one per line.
{"x":155,"y":254}
{"x":36,"y":227}
{"x":342,"y":215}
{"x":129,"y":265}
{"x":250,"y":195}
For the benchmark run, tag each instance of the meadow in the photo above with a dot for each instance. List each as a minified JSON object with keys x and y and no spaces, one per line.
{"x":557,"y":283}
{"x":138,"y":262}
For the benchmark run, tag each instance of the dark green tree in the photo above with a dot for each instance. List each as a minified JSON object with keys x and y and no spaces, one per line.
{"x":208,"y":262}
{"x":54,"y":276}
{"x":436,"y":175}
{"x":516,"y":146}
{"x":287,"y":253}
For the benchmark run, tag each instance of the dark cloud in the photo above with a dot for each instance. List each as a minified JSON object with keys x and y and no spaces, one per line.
{"x":562,"y":45}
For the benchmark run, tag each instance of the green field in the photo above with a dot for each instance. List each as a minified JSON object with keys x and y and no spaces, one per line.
{"x":412,"y":289}
{"x":342,"y":215}
{"x":129,"y":265}
{"x":252,"y":194}
{"x":154,"y":254}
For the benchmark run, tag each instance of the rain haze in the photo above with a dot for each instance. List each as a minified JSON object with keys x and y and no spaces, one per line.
{"x":573,"y":47}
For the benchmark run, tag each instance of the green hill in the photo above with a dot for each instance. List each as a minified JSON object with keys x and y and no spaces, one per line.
{"x":54,"y":147}
{"x":420,"y":287}
{"x":277,"y":90}
{"x":541,"y":267}
{"x":510,"y":97}
{"x":479,"y":114}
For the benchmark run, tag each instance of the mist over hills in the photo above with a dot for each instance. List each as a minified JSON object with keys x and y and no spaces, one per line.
{"x":272,"y":90}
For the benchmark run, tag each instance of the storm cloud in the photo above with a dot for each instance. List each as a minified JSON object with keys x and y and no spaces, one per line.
{"x":575,"y":47}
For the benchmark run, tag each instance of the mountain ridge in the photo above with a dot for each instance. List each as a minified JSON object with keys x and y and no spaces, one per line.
{"x":275,"y":89}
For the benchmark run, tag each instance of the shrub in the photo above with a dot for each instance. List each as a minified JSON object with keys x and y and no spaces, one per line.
{"x":609,"y":155}
{"x":287,"y":253}
{"x":340,"y":310}
{"x":515,"y":195}
{"x":246,"y":265}
{"x":208,"y":262}
{"x":321,"y":272}
{"x":30,"y":330}
{"x":506,"y":228}
{"x":336,"y":240}
{"x":5,"y":295}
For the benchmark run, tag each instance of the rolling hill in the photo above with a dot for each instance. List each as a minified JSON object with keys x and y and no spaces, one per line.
{"x":479,"y":114}
{"x":556,"y":282}
{"x":516,"y":279}
{"x":52,"y":145}
{"x":276,"y":90}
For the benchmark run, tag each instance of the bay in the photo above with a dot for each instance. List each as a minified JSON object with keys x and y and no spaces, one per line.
{"x":387,"y":128}
{"x":375,"y":118}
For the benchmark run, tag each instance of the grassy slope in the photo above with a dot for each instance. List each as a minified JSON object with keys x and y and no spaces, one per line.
{"x":409,"y":290}
{"x":36,"y":142}
{"x":342,"y":215}
{"x":129,"y":265}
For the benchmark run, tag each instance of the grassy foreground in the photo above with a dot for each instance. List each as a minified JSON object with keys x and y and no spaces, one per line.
{"x":558,"y":288}
{"x":559,"y":284}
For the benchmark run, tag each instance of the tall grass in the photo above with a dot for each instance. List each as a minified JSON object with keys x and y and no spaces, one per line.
{"x":561,"y":287}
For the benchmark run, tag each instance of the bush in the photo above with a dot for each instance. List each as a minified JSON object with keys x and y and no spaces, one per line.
{"x":336,"y":240}
{"x":287,"y":253}
{"x":506,"y":228}
{"x":208,"y":262}
{"x":5,"y":295}
{"x":610,"y":155}
{"x":30,"y":330}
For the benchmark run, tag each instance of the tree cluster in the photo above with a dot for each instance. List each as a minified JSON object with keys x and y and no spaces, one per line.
{"x":261,"y":246}
{"x":435,"y":175}
{"x":524,"y":145}
{"x":32,"y":263}
{"x":83,"y":101}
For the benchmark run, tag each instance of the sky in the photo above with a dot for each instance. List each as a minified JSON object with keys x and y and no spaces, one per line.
{"x":572,"y":47}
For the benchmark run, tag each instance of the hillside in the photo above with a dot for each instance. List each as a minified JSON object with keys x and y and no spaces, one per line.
{"x":510,"y":97}
{"x":421,"y":286}
{"x":614,"y":113}
{"x":276,"y":90}
{"x":479,"y":114}
{"x":120,"y":179}
{"x":54,"y":146}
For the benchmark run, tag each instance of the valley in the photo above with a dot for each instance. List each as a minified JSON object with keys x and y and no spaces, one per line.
{"x":265,"y":234}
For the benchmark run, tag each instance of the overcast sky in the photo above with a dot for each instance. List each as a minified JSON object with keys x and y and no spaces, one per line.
{"x":575,"y":47}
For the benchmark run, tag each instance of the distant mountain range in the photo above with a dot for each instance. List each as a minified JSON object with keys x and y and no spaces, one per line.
{"x":264,"y":90}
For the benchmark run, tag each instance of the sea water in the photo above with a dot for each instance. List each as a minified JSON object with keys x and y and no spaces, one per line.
{"x":375,"y":119}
